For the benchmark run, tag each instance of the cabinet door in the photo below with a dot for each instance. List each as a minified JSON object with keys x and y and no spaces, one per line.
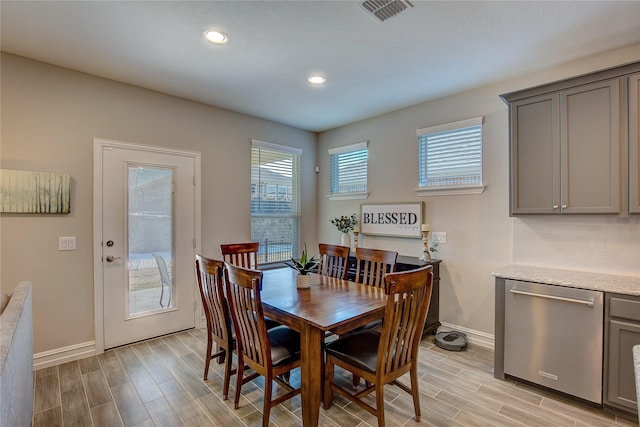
{"x":535,"y":155}
{"x":634,"y":143}
{"x":621,"y":388}
{"x":590,"y":148}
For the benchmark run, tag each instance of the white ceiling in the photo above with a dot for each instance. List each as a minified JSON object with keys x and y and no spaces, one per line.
{"x":431,"y":50}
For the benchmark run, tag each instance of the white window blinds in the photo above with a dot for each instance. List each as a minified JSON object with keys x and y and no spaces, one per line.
{"x":451,"y":154}
{"x":275,"y":206}
{"x":348,"y":165}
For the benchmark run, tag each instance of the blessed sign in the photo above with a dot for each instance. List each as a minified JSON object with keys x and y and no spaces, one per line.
{"x":386,"y":219}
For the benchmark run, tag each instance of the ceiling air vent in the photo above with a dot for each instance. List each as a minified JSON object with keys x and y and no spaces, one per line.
{"x":385,"y":9}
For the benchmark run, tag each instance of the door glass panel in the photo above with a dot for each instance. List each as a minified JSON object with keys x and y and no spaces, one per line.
{"x":150,"y":240}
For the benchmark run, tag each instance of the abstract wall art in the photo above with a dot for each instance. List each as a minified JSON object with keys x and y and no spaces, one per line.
{"x":34,"y":192}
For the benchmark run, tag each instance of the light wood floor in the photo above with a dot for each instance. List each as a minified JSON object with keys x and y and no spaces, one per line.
{"x":159,"y":383}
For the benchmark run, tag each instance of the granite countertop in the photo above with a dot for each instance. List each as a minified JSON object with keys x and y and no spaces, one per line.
{"x":636,"y":367}
{"x":627,"y":285}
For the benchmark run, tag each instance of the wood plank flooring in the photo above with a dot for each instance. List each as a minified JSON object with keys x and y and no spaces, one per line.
{"x":159,"y":383}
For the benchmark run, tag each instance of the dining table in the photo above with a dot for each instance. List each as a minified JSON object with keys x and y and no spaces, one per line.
{"x":329,"y":304}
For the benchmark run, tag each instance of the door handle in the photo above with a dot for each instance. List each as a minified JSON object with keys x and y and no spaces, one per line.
{"x":111,"y":258}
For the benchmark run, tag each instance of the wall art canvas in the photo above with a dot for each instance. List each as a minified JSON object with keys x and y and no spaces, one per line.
{"x":34,"y":192}
{"x":391,"y":219}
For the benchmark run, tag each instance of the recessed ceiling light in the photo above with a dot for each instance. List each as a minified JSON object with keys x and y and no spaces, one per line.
{"x":215,"y":36}
{"x":316,"y":79}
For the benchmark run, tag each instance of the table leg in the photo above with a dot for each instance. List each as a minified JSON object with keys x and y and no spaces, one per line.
{"x":311,"y":374}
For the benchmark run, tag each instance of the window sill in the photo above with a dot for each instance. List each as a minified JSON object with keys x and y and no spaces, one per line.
{"x":348,"y":196}
{"x":449,"y":190}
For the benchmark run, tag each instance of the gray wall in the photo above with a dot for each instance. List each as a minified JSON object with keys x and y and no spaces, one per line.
{"x":481,"y":235}
{"x":50,"y":116}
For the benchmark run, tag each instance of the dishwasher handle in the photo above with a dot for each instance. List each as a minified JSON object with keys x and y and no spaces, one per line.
{"x":533,"y":294}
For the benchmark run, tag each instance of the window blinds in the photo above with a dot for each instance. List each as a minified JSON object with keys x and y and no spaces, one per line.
{"x":451,"y":154}
{"x":348,"y":168}
{"x":275,"y":207}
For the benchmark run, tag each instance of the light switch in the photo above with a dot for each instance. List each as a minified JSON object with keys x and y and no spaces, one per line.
{"x":67,"y":243}
{"x":439,"y":237}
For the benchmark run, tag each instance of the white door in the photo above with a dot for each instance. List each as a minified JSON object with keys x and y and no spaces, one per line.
{"x":146,"y":241}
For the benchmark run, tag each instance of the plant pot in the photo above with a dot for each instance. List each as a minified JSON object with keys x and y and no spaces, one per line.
{"x":345,"y":240}
{"x":303,"y":281}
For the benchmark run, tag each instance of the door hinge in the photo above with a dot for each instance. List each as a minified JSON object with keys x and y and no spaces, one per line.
{"x":194,"y":243}
{"x":194,"y":180}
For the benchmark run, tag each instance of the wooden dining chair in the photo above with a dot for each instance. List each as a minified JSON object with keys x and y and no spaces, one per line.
{"x":333,"y":260}
{"x":373,"y":264}
{"x":382,"y":358}
{"x":270,"y":353}
{"x":241,"y":254}
{"x":209,"y":273}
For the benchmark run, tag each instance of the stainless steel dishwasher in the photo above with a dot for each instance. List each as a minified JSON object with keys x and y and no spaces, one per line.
{"x":554,"y":337}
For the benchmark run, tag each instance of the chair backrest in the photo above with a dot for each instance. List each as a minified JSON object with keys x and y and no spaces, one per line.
{"x":162,"y":268}
{"x":373,"y":264}
{"x":333,"y":260}
{"x":241,"y":254}
{"x":408,"y":297}
{"x":243,"y":293}
{"x":209,"y":273}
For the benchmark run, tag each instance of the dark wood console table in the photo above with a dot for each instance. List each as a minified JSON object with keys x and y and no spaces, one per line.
{"x":405,"y":263}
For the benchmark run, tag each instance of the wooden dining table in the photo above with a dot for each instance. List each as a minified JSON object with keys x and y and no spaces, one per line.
{"x":329,"y":304}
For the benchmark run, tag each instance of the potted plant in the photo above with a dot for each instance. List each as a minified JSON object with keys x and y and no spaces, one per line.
{"x":345,"y":225}
{"x":304,"y":265}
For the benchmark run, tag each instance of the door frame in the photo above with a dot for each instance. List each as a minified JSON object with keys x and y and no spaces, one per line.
{"x":98,"y":286}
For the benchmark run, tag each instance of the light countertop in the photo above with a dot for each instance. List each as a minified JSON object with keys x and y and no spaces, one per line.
{"x":627,"y":285}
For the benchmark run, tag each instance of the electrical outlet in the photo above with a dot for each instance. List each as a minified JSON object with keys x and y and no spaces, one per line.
{"x":67,"y":243}
{"x":439,"y":237}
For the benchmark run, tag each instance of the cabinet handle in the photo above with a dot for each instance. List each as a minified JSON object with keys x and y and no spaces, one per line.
{"x":533,"y":294}
{"x":555,"y":206}
{"x":564,"y":206}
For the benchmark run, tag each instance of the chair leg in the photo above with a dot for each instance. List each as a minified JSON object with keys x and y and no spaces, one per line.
{"x":207,"y":359}
{"x":223,"y":354}
{"x":161,"y":293}
{"x":380,"y":403}
{"x":414,"y":391}
{"x":227,"y":375}
{"x":239,"y":375}
{"x":355,"y":382}
{"x":328,"y":379}
{"x":266,"y":405}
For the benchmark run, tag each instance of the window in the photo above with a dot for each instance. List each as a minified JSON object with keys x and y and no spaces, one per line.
{"x":275,"y":201}
{"x":348,"y":174}
{"x":450,"y":158}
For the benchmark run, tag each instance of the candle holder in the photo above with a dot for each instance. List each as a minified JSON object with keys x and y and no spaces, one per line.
{"x":355,"y":239}
{"x":426,"y":255}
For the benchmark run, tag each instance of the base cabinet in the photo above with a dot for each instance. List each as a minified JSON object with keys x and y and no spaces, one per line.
{"x":406,"y":263}
{"x":622,"y":316}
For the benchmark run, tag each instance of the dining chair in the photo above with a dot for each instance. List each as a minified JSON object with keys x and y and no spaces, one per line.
{"x":209,"y":273}
{"x":165,"y":279}
{"x":244,"y":255}
{"x":373,"y":264}
{"x":382,"y":358}
{"x":333,"y":260}
{"x":270,"y":353}
{"x":241,"y":254}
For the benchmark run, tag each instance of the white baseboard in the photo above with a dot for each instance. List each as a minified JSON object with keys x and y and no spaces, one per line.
{"x":481,"y":339}
{"x":63,"y":355}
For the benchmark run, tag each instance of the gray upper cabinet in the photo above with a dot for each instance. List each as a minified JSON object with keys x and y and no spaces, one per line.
{"x":565,"y":151}
{"x":590,"y":148}
{"x":634,"y":143}
{"x":535,"y":155}
{"x":568,"y":145}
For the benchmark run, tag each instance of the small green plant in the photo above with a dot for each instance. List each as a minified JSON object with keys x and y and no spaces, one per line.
{"x":304,"y":264}
{"x":344,"y":224}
